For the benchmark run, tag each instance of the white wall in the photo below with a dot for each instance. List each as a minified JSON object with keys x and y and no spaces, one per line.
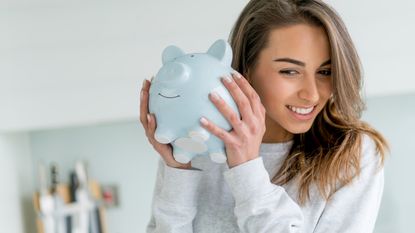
{"x":66,"y":63}
{"x":383,"y":34}
{"x":16,"y":209}
{"x":394,"y":117}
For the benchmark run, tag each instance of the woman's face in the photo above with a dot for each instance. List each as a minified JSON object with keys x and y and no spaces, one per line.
{"x":293,"y":78}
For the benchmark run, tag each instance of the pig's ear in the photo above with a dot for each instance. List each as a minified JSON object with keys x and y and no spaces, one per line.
{"x":170,"y":53}
{"x":222,"y":51}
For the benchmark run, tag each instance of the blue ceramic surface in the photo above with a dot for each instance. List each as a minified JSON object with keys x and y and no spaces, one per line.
{"x":179,"y":98}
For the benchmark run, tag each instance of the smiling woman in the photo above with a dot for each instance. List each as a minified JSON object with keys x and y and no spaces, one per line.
{"x":299,"y":159}
{"x":300,"y":56}
{"x":292,"y":76}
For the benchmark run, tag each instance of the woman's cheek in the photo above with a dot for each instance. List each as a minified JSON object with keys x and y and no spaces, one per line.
{"x":283,"y":87}
{"x":326,"y":90}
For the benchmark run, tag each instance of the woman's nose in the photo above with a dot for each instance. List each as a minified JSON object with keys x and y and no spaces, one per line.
{"x":309,"y":90}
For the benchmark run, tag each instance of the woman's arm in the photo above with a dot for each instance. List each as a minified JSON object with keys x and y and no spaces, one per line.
{"x":261,"y":206}
{"x":174,"y":200}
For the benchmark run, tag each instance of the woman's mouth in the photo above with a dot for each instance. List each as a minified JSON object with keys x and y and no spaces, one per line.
{"x":302,"y":113}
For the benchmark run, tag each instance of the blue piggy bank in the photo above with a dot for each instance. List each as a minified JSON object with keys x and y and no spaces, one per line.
{"x":179,"y":97}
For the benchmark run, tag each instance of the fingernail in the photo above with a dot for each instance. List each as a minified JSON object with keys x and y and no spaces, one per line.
{"x":141,"y":94}
{"x":203,"y":121}
{"x":144,"y":82}
{"x":227,"y":79}
{"x":148,"y":117}
{"x":152,"y":77}
{"x":236,"y":74}
{"x":214,"y":95}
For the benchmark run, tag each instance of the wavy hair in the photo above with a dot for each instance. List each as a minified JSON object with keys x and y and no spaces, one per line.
{"x":329,"y":153}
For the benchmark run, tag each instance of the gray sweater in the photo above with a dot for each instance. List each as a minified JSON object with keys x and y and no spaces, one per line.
{"x":213,"y":198}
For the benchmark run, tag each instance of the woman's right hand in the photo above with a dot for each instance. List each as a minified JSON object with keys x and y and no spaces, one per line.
{"x":149,"y":123}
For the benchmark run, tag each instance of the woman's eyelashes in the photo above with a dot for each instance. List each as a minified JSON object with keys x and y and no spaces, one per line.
{"x":289,"y":72}
{"x":325,"y":72}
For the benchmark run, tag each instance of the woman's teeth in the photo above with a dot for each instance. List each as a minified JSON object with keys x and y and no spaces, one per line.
{"x":302,"y":111}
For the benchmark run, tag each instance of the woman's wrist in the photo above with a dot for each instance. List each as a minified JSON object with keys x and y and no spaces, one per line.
{"x":181,"y":166}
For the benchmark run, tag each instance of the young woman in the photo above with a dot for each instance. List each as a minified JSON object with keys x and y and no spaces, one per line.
{"x":299,"y":158}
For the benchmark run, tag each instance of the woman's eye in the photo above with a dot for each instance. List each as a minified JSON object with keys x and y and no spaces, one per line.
{"x":325,"y":72}
{"x":288,"y":72}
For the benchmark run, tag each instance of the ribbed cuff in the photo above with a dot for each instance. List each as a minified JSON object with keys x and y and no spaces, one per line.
{"x":180,"y":186}
{"x":249,"y":180}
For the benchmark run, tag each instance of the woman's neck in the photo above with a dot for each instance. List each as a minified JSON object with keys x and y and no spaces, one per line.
{"x":274,"y":133}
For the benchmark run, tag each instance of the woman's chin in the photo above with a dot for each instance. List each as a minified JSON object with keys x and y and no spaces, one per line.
{"x":298,"y":129}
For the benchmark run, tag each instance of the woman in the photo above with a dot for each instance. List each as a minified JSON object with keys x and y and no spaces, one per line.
{"x":299,"y":158}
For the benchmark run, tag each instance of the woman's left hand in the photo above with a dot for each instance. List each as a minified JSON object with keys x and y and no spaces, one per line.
{"x":243,"y":141}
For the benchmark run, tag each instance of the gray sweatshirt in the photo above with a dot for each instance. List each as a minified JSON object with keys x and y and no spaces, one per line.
{"x":213,"y":198}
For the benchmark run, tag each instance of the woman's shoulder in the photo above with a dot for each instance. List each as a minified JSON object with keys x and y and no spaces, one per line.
{"x":370,"y":151}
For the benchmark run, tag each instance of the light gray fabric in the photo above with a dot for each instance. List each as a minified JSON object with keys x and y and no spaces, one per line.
{"x":213,"y":198}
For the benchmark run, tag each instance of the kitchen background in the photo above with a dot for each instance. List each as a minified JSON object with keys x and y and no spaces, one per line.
{"x":71,"y":71}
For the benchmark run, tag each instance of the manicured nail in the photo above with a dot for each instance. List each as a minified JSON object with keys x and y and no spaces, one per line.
{"x":236,"y":75}
{"x":144,"y":82}
{"x":148,"y":117}
{"x":203,"y":121}
{"x":214,"y":95}
{"x":227,"y":79}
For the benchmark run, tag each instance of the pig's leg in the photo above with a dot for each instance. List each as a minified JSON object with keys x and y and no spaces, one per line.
{"x":181,"y":156}
{"x":217,"y":150}
{"x":199,"y":134}
{"x":164,"y":136}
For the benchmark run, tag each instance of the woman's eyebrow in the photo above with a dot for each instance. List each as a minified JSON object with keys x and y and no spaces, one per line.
{"x":290,"y":60}
{"x":328,"y":62}
{"x":300,"y":63}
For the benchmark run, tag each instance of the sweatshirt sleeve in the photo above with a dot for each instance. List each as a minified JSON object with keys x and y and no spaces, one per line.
{"x":354,"y":208}
{"x":174,"y":200}
{"x":261,"y":206}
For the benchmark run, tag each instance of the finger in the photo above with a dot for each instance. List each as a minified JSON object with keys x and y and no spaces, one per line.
{"x":163,"y":149}
{"x":239,"y":97}
{"x":151,"y":127}
{"x":222,"y":134}
{"x":144,"y":102}
{"x":229,"y":114}
{"x":249,"y":91}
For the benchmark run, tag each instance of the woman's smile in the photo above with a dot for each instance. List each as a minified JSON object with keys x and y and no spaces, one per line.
{"x":302,"y":113}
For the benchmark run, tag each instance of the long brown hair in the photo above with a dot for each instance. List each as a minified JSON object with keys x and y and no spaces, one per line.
{"x":329,"y":153}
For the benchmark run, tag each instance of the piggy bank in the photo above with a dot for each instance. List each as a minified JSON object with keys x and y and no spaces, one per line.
{"x":179,"y":97}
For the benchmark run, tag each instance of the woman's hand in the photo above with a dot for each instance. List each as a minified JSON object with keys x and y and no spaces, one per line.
{"x":149,"y":123}
{"x":243,"y":141}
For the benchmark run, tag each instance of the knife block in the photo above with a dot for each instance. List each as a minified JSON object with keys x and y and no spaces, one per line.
{"x":63,"y":191}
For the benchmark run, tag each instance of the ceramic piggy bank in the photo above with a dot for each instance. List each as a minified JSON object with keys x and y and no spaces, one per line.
{"x":179,"y":97}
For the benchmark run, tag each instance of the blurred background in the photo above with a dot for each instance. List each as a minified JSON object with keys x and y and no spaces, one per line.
{"x":71,"y":72}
